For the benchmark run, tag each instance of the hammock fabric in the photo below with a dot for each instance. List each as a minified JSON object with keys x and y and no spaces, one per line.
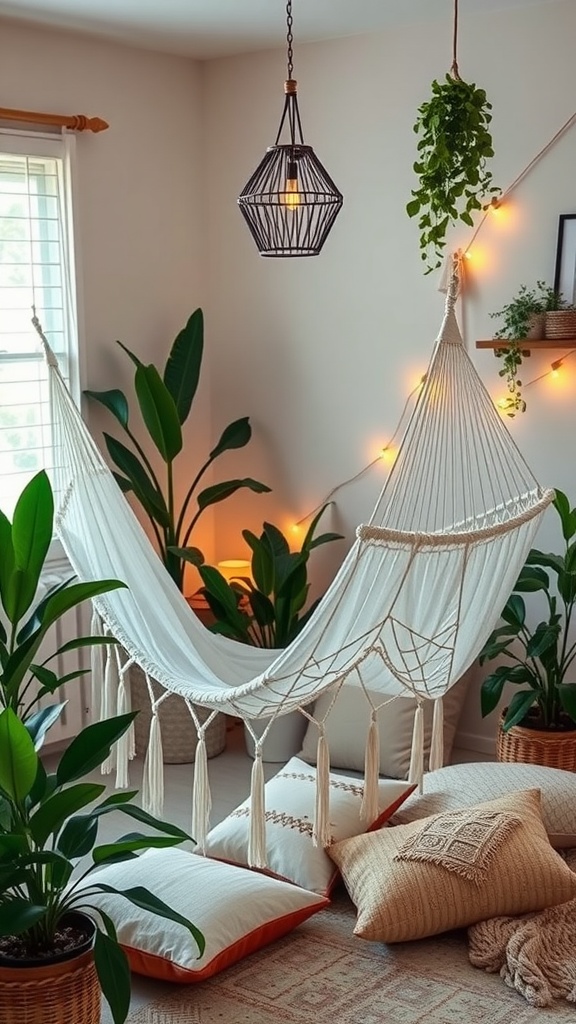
{"x":412,"y":605}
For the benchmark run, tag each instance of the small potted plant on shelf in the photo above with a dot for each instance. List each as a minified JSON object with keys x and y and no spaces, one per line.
{"x":524,"y":317}
{"x":164,"y":401}
{"x":539,"y":724}
{"x":55,"y":955}
{"x":267,"y":609}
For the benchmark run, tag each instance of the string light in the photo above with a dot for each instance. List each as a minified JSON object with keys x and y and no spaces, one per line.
{"x":505,"y":403}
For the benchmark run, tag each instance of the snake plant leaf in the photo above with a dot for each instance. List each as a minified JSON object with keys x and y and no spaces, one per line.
{"x":218,"y":492}
{"x":31,"y":538}
{"x":147,"y":494}
{"x":116,"y":403}
{"x":182,"y":371}
{"x":159,"y":412}
{"x":18,"y":759}
{"x":235,"y":435}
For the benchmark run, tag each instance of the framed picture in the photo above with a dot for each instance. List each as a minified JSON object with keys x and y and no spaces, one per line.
{"x":565,"y":272}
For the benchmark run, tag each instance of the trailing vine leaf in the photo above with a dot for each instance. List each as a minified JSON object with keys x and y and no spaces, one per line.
{"x":453,"y":151}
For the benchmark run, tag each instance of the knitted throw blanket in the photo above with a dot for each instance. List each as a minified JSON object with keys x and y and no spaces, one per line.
{"x":535,"y":954}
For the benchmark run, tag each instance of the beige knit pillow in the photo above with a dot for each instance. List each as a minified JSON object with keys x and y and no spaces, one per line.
{"x":398,"y":900}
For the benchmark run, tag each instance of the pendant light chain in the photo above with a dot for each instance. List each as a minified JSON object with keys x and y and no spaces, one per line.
{"x":454,"y":68}
{"x":289,"y":38}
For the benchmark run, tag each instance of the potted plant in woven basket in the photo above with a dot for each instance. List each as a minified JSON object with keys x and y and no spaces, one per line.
{"x":164,"y":403}
{"x":539,"y":724}
{"x":55,"y":955}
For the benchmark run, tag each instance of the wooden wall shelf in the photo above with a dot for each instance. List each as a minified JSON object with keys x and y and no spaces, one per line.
{"x":531,"y":343}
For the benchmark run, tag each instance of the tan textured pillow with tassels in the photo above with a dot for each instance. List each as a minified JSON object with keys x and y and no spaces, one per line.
{"x":410,"y":881}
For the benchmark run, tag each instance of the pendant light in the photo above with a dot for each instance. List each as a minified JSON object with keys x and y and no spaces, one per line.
{"x":290,"y":203}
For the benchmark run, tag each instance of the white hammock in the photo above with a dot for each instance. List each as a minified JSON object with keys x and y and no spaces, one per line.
{"x":412,"y":605}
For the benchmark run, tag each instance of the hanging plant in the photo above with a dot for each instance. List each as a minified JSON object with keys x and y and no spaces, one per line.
{"x":454,"y":147}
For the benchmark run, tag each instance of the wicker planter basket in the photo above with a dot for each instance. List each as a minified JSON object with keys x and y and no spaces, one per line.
{"x":537,"y":746}
{"x":177,"y":729}
{"x":60,"y":993}
{"x":561,"y":323}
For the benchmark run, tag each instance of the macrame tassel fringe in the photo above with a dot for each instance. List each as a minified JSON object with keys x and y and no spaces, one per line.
{"x":201,"y":799}
{"x":416,"y":772}
{"x":321,"y":834}
{"x":109,"y":702}
{"x":153,"y":780}
{"x":369,"y":807}
{"x":257,"y":838}
{"x":96,"y":668}
{"x":123,"y":744}
{"x":437,"y":743}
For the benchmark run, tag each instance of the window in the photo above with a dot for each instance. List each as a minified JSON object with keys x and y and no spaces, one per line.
{"x":36,"y":269}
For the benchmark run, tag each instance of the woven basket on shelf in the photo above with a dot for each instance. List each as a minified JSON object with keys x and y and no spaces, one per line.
{"x":177,"y":728}
{"x":561,"y":323}
{"x":62,"y":993}
{"x":537,"y":746}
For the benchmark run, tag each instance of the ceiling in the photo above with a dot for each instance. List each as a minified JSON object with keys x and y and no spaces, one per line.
{"x":215,"y":28}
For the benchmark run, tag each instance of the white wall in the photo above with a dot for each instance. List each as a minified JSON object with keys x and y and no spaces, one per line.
{"x":140,"y":209}
{"x":322,"y":352}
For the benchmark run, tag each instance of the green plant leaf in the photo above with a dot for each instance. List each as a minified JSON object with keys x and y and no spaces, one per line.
{"x":91,"y":747}
{"x":41,"y":721}
{"x":78,"y":836}
{"x":144,"y":489}
{"x":491,"y":691}
{"x":567,"y":586}
{"x":116,"y":403}
{"x":145,"y":900}
{"x":31,"y":538}
{"x":158,"y":412}
{"x":567,"y":693}
{"x":18,"y":915}
{"x":218,"y":586}
{"x":7,"y":560}
{"x":235,"y":435}
{"x":518,"y":708}
{"x":137,"y":362}
{"x":262,"y":564}
{"x":545,"y":560}
{"x":74,"y":595}
{"x":224,"y":489}
{"x":544,"y":637}
{"x":192,"y":555}
{"x":85,"y":641}
{"x":562,"y":506}
{"x":52,"y":813}
{"x":37,"y":617}
{"x":18,"y":759}
{"x":127,"y":845}
{"x":532,"y":578}
{"x":113,"y":973}
{"x":182,"y":371}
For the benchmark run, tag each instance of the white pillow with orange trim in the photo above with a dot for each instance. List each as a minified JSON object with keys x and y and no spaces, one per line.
{"x":289,"y":799}
{"x":237,"y":911}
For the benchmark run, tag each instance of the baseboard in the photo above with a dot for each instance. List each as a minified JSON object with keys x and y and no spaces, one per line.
{"x":473,"y":741}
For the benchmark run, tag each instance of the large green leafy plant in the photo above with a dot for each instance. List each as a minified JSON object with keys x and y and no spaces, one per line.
{"x":454,"y":147}
{"x":540,"y":659}
{"x":49,"y":820}
{"x":164,"y":402}
{"x":266,"y":610}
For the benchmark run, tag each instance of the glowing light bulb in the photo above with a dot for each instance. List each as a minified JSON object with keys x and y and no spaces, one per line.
{"x":555,"y":371}
{"x":295,"y":529}
{"x":495,"y":205}
{"x":387,"y":454}
{"x":291,"y":195}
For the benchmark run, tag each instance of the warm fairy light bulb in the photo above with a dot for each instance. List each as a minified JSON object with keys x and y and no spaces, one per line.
{"x":502,"y":403}
{"x":495,"y":205}
{"x":291,"y":194}
{"x":555,"y":371}
{"x":387,"y":454}
{"x":295,"y":528}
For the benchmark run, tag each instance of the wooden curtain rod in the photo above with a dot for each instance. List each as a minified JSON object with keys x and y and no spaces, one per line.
{"x":76,"y":122}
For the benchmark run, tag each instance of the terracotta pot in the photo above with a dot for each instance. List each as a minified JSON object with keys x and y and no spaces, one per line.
{"x":65,"y":990}
{"x":552,"y":748}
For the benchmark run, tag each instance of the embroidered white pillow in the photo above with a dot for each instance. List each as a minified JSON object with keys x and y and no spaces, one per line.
{"x":290,"y":799}
{"x":237,"y":911}
{"x":462,"y":785}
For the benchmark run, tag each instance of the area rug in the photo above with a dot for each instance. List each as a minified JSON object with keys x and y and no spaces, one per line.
{"x":321,"y":973}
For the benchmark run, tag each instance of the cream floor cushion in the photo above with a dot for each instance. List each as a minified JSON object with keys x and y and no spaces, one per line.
{"x":462,"y":785}
{"x":349,"y":719}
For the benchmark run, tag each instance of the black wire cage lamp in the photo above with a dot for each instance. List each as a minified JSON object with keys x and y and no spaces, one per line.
{"x":290,"y":203}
